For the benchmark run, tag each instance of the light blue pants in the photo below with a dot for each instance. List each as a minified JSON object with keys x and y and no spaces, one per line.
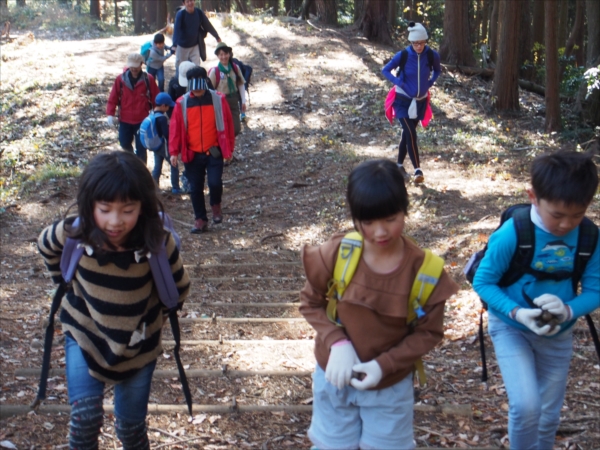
{"x":534,"y":369}
{"x":350,"y":419}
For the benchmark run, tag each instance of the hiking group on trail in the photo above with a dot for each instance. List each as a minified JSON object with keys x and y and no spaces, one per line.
{"x":375,"y":299}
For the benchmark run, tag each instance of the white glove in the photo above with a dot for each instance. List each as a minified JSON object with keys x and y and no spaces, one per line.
{"x":339,"y":366}
{"x":112,"y":121}
{"x":372,"y":372}
{"x":528,"y":318}
{"x":554,"y":305}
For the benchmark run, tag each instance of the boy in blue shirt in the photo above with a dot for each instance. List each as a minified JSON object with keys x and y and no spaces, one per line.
{"x":163,"y":103}
{"x":534,"y":357}
{"x":156,"y":60}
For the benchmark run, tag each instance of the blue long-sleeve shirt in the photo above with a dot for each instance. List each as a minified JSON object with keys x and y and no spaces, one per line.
{"x":417,"y":77}
{"x":551,"y":253}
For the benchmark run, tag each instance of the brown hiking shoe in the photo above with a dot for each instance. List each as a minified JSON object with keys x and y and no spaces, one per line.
{"x":419,"y":178}
{"x":217,"y":214}
{"x":200,"y":226}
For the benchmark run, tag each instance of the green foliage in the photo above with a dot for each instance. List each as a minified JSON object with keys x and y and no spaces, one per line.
{"x":592,"y":77}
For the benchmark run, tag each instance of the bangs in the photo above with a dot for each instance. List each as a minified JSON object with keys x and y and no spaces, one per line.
{"x":119,"y":186}
{"x":377,"y":200}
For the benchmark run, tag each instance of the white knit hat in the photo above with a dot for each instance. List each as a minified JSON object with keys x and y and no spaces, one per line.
{"x":416,"y":32}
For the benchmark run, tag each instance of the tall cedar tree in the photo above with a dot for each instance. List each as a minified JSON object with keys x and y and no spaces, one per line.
{"x":327,"y":10}
{"x":506,"y":76}
{"x":94,"y":9}
{"x":456,"y":46}
{"x":493,"y":40}
{"x":374,"y":22}
{"x":591,"y":105}
{"x":552,"y":94}
{"x":574,"y":45}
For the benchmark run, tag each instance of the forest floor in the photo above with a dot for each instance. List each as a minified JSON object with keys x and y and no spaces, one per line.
{"x":316,"y":111}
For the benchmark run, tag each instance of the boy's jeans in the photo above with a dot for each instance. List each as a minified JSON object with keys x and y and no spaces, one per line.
{"x":131,"y":396}
{"x":204,"y":166}
{"x":534,"y":369}
{"x":159,"y":75}
{"x":127,"y":133}
{"x":159,"y":157}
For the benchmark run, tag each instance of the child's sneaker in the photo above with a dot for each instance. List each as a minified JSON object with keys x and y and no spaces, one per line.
{"x":242,"y":117}
{"x":177,"y":191}
{"x":419,"y":178}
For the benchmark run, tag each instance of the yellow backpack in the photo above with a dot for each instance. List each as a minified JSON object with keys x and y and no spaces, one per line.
{"x":349,"y":255}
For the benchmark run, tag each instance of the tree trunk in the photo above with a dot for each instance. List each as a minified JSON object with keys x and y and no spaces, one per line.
{"x":576,"y":36}
{"x":95,"y":9}
{"x":374,"y":24}
{"x":493,"y":40}
{"x":476,"y":28}
{"x":538,"y":31}
{"x":241,"y":6}
{"x":152,"y":13}
{"x":485,"y":19}
{"x":258,"y":4}
{"x":137,"y":16}
{"x":552,"y":94}
{"x":456,"y":46}
{"x":308,"y":8}
{"x":116,"y":5}
{"x":526,"y":68}
{"x":562,"y":21}
{"x":393,"y":13}
{"x":161,"y":14}
{"x":327,"y":11}
{"x":409,"y":10}
{"x":359,"y":10}
{"x":506,"y":78}
{"x":590,"y":107}
{"x":275,"y":5}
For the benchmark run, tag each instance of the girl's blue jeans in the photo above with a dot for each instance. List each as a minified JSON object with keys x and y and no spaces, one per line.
{"x":534,"y":369}
{"x":131,"y":395}
{"x":159,"y":75}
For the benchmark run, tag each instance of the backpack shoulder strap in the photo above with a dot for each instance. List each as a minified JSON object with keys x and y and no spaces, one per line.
{"x":349,"y":254}
{"x":148,"y":93}
{"x":523,"y":255}
{"x":425,"y":282}
{"x":430,"y":57}
{"x":183,"y":104}
{"x":403,"y":59}
{"x":586,"y":246}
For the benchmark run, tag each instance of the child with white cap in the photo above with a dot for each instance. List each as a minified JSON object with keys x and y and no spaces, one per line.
{"x":419,"y":67}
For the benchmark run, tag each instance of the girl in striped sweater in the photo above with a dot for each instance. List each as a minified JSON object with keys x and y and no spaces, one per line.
{"x":112,"y":316}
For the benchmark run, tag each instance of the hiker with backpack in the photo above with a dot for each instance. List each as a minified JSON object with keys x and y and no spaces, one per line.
{"x":154,"y":134}
{"x":113,"y":311}
{"x":228,"y":79}
{"x":133,"y":92}
{"x":189,"y":31}
{"x":155,"y":61}
{"x":418,"y":68}
{"x":531,"y":316}
{"x":201,"y":131}
{"x":371,"y":336}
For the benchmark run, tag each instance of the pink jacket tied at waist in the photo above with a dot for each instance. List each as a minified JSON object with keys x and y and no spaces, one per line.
{"x":389,"y":108}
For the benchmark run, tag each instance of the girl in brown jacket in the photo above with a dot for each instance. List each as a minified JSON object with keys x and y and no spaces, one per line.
{"x":375,"y":411}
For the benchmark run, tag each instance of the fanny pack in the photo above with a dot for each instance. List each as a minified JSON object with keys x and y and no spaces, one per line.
{"x":215,"y":152}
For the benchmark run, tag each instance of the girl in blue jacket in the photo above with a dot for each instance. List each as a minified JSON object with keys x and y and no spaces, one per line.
{"x":412,"y":85}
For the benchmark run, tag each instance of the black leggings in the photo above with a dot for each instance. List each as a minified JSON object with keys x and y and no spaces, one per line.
{"x":408,"y":142}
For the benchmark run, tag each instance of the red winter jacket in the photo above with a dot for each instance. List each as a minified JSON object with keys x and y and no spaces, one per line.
{"x":134,"y":104}
{"x":178,"y":131}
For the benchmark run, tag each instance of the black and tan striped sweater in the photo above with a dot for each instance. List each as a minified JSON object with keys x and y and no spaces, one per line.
{"x":112,"y":310}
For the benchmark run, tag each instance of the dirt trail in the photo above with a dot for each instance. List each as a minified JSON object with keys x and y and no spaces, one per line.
{"x":315,"y":112}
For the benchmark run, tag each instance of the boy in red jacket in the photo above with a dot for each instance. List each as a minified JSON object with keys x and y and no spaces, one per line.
{"x":133,"y":92}
{"x":201,"y":130}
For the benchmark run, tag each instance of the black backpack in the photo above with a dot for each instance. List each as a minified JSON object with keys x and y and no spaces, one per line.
{"x":520,"y":263}
{"x":246,"y":72}
{"x":404,"y":58}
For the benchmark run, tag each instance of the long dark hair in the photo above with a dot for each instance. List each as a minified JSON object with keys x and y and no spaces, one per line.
{"x":376,"y":190}
{"x":118,"y":176}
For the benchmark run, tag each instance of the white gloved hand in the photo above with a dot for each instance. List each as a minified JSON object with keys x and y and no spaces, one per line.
{"x":372,"y":372}
{"x":339,"y":366}
{"x":528,"y":318}
{"x":554,"y":305}
{"x":112,"y":121}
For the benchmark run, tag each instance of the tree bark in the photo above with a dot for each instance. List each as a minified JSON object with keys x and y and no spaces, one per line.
{"x":485,"y":19}
{"x":506,"y":78}
{"x":374,"y":24}
{"x":538,"y":31}
{"x":241,"y":5}
{"x":393,"y":13}
{"x":576,"y":36}
{"x":307,"y":7}
{"x":493,"y":40}
{"x":161,"y":14}
{"x":258,"y":4}
{"x":275,"y":5}
{"x":116,"y":6}
{"x":525,"y":44}
{"x":590,"y":107}
{"x":95,"y":9}
{"x":151,"y":14}
{"x":552,"y":98}
{"x":359,"y":10}
{"x":137,"y":16}
{"x":327,"y":11}
{"x":456,"y":46}
{"x":562,"y":21}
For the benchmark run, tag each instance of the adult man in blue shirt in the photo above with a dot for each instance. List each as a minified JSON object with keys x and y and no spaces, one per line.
{"x":190,"y":28}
